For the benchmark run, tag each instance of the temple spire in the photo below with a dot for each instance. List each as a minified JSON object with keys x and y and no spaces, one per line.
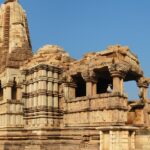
{"x":15,"y":44}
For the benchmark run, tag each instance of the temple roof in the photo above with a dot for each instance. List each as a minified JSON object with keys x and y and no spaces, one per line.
{"x":50,"y":55}
{"x":114,"y":57}
{"x":103,"y":60}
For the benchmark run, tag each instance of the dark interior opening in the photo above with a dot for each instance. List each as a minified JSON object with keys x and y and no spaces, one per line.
{"x":104,"y":80}
{"x":80,"y":86}
{"x":102,"y":86}
{"x":14,"y":91}
{"x":131,"y":76}
{"x":1,"y":92}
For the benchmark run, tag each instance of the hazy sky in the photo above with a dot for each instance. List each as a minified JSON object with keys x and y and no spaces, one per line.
{"x":80,"y":26}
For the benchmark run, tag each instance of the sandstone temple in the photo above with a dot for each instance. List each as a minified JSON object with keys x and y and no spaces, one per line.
{"x":51,"y":101}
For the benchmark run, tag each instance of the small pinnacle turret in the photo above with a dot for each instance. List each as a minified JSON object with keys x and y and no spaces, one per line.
{"x":7,"y":1}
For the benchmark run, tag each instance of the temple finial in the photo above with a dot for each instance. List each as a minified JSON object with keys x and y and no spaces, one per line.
{"x":7,"y":1}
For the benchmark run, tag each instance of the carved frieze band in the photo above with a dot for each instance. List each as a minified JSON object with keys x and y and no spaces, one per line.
{"x":42,"y":92}
{"x":42,"y":67}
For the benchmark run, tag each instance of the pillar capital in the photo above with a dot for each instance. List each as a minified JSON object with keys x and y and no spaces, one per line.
{"x":143,"y":83}
{"x":118,"y":70}
{"x":66,"y":77}
{"x":8,"y":84}
{"x":89,"y":76}
{"x":70,"y":84}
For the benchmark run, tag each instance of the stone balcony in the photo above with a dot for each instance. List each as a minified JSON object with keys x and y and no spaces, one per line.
{"x":98,"y":102}
{"x":108,"y":108}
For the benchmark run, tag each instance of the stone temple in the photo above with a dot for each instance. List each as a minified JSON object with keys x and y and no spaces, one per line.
{"x":50,"y":101}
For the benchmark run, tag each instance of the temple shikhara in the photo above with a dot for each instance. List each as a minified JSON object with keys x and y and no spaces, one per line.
{"x":51,"y":101}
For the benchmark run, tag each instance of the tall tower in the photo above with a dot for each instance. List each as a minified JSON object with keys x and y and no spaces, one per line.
{"x":15,"y":45}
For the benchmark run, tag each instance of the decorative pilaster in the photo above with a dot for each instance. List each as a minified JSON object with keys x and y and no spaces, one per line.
{"x":8,"y":91}
{"x":94,"y":88}
{"x":35,"y":98}
{"x":42,"y":84}
{"x":69,"y":90}
{"x":50,"y":87}
{"x":19,"y":92}
{"x":55,"y":89}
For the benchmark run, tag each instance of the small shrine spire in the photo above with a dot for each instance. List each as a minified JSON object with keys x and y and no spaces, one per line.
{"x":7,"y":1}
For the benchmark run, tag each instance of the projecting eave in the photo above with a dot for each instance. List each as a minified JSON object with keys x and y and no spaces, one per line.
{"x":102,"y":61}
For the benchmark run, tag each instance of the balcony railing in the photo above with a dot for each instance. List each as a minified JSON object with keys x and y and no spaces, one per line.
{"x":98,"y":102}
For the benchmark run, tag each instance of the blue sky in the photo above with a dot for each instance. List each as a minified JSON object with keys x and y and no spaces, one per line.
{"x":80,"y":26}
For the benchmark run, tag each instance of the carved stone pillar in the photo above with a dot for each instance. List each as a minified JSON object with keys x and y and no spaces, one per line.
{"x":66,"y":90}
{"x":89,"y":88}
{"x":42,"y":71}
{"x":55,"y":86}
{"x":30,"y":95}
{"x":55,"y":92}
{"x":72,"y":90}
{"x":35,"y":99}
{"x":50,"y":73}
{"x":42,"y":87}
{"x":143,"y":85}
{"x":116,"y":82}
{"x":56,"y":103}
{"x":90,"y":79}
{"x":50,"y":87}
{"x":122,"y":85}
{"x":118,"y":73}
{"x":8,"y":91}
{"x":55,"y":75}
{"x":27,"y":99}
{"x":19,"y":92}
{"x":4,"y":93}
{"x":69,"y":90}
{"x":94,"y":88}
{"x":50,"y":97}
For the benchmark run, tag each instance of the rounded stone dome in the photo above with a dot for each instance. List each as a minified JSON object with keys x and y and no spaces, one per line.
{"x":50,"y":55}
